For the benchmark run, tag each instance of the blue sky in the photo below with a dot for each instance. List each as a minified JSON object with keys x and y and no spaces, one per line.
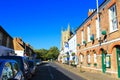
{"x":39,"y":22}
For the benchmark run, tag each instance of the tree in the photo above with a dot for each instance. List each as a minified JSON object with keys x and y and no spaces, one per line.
{"x":53,"y":53}
{"x":44,"y":54}
{"x":41,"y":53}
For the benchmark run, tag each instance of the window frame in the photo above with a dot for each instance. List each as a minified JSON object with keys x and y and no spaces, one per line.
{"x":112,"y":16}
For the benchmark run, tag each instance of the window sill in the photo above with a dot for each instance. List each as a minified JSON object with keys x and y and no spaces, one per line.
{"x":113,"y":31}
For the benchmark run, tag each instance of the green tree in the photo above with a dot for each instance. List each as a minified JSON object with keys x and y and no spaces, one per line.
{"x":53,"y":53}
{"x":41,"y":53}
{"x":44,"y":54}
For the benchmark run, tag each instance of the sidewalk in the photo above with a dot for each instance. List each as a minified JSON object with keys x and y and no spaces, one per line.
{"x":85,"y":74}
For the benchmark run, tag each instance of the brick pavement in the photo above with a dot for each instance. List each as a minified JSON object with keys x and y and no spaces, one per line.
{"x":86,"y":74}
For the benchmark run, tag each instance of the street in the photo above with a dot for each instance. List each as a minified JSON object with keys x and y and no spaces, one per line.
{"x":51,"y":71}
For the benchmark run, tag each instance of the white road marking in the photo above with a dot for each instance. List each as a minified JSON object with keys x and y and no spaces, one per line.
{"x":52,"y":77}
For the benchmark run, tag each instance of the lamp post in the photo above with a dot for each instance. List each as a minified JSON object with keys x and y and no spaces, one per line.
{"x":98,"y":19}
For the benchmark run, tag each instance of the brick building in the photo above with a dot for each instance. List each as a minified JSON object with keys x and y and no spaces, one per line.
{"x":98,"y":39}
{"x":21,"y":48}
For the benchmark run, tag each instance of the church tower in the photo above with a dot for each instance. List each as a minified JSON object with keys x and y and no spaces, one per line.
{"x":65,"y":35}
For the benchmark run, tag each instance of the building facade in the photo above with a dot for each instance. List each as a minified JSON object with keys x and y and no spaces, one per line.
{"x":98,"y":39}
{"x":65,"y":36}
{"x":21,"y":48}
{"x":6,"y":43}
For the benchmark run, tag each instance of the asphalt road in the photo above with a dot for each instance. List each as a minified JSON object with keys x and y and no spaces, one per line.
{"x":51,"y":71}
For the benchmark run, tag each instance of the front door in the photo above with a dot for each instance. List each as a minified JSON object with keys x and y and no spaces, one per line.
{"x":103,"y":62}
{"x":118,"y":60}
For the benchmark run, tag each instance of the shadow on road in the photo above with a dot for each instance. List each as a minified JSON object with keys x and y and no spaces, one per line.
{"x":47,"y":72}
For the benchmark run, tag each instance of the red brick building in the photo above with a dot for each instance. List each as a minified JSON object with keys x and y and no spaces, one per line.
{"x":99,"y":39}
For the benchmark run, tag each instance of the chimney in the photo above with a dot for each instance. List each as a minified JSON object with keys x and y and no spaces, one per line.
{"x":90,"y":12}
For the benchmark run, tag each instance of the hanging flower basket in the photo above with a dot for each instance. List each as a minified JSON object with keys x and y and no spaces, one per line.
{"x":104,"y":32}
{"x":95,"y":64}
{"x":78,"y":44}
{"x":89,"y":64}
{"x":92,"y":37}
{"x":73,"y":54}
{"x":84,"y":42}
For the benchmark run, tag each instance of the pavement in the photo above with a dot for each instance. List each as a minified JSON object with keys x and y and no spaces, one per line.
{"x":86,"y":74}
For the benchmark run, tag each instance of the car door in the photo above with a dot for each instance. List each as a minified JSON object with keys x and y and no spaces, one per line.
{"x":17,"y":72}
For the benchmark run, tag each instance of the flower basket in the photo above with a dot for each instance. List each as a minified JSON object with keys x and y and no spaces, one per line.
{"x":84,"y":42}
{"x":104,"y":32}
{"x":95,"y":64}
{"x":92,"y":37}
{"x":89,"y":64}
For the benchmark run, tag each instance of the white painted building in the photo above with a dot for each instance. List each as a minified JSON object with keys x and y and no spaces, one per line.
{"x":72,"y":48}
{"x":72,"y":45}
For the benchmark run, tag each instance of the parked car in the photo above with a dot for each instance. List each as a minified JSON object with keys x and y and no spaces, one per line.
{"x":10,"y":70}
{"x":22,"y":61}
{"x":38,"y":62}
{"x":32,"y":66}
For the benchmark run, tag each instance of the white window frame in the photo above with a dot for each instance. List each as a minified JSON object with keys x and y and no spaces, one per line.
{"x":88,"y":56}
{"x":82,"y":37}
{"x":81,"y":58}
{"x":113,"y":18}
{"x":88,"y":28}
{"x":95,"y":58}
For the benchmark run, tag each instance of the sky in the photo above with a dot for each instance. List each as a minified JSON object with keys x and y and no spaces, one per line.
{"x":39,"y":22}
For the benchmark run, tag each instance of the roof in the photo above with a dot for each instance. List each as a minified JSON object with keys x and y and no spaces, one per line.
{"x":95,"y":12}
{"x":5,"y":31}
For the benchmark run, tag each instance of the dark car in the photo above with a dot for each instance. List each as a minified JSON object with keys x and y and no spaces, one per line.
{"x":22,"y":61}
{"x":10,"y":70}
{"x":32,"y":66}
{"x":38,"y":62}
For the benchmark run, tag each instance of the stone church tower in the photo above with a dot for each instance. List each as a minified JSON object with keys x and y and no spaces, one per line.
{"x":65,"y":35}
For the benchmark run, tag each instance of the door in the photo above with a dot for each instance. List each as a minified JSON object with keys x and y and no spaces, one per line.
{"x":103,"y":62}
{"x":118,"y":60}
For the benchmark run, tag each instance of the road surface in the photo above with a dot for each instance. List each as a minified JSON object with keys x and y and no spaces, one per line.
{"x":51,"y":71}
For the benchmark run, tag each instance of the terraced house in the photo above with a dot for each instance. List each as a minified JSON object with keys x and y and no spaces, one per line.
{"x":98,"y":39}
{"x":6,"y":43}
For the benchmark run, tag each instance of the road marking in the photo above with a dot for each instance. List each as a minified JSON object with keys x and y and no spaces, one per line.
{"x":52,"y":77}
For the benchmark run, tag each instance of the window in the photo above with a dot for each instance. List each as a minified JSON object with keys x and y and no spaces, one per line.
{"x":113,"y":18}
{"x":81,"y":57}
{"x":8,"y":42}
{"x":82,"y":36}
{"x":95,"y":58}
{"x":15,"y":68}
{"x":88,"y":33}
{"x":7,"y":72}
{"x":97,"y":28}
{"x":88,"y":56}
{"x":1,"y":38}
